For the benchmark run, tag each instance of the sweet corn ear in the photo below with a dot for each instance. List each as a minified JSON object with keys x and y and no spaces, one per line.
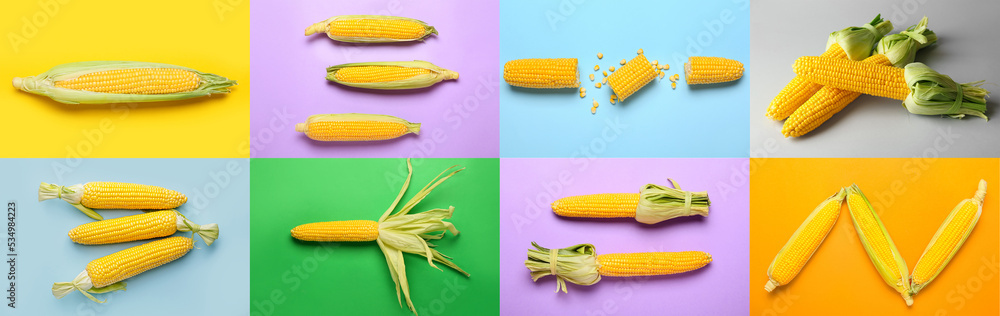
{"x":394,"y":75}
{"x":877,"y":243}
{"x":948,"y":239}
{"x":372,"y":29}
{"x":651,"y":263}
{"x":803,"y":244}
{"x":355,"y":127}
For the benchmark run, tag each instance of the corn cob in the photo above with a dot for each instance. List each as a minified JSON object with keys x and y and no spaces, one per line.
{"x":98,"y":82}
{"x":542,"y":73}
{"x":948,"y":239}
{"x":803,"y":244}
{"x":798,"y":91}
{"x":395,"y":233}
{"x":705,"y":70}
{"x":355,"y":127}
{"x":877,"y":243}
{"x":631,"y":77}
{"x":112,"y":195}
{"x":139,"y":227}
{"x":389,"y":75}
{"x":372,"y":29}
{"x":652,"y":205}
{"x":106,"y":274}
{"x":581,"y":265}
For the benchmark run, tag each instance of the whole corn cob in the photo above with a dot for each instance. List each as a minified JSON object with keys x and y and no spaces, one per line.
{"x":106,"y":274}
{"x":947,"y":240}
{"x":652,"y":205}
{"x":372,"y":29}
{"x":138,"y":227}
{"x":803,"y":244}
{"x":355,"y":127}
{"x":97,"y":82}
{"x":705,"y":70}
{"x":581,"y":265}
{"x":395,"y":233}
{"x":877,"y":243}
{"x":542,"y":73}
{"x":389,"y":75}
{"x":112,"y":195}
{"x":631,"y":77}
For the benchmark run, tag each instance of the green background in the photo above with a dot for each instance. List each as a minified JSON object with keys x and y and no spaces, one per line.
{"x":291,"y":277}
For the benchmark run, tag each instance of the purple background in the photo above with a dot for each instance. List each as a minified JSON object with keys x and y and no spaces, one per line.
{"x":459,"y":117}
{"x":528,"y":186}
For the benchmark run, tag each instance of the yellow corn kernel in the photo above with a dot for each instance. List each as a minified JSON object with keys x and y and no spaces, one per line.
{"x":547,"y":73}
{"x":595,"y":103}
{"x":130,"y":196}
{"x":593,"y":110}
{"x":656,"y":63}
{"x":622,"y":62}
{"x":123,"y":229}
{"x":355,"y":230}
{"x":614,"y":99}
{"x":591,"y":77}
{"x":651,"y":263}
{"x":597,"y":85}
{"x":948,"y":239}
{"x":355,"y":127}
{"x":597,"y":67}
{"x":372,"y":29}
{"x":599,"y":55}
{"x":135,"y":81}
{"x":130,"y":262}
{"x":640,"y":51}
{"x":612,"y":68}
{"x":604,"y":205}
{"x":583,"y":94}
{"x":702,"y":70}
{"x":631,"y":77}
{"x":673,"y":85}
{"x":389,"y":75}
{"x":604,"y":81}
{"x":605,"y":73}
{"x":857,"y":76}
{"x":877,"y":243}
{"x":662,"y":74}
{"x":803,"y":243}
{"x":666,"y":66}
{"x":798,"y":91}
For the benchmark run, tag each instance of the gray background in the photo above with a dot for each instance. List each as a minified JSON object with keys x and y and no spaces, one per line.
{"x":967,"y":50}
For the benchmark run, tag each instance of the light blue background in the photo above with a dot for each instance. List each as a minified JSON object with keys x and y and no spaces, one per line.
{"x":207,"y":281}
{"x":686,"y":122}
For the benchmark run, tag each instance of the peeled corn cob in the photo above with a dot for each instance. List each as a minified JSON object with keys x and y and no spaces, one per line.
{"x":652,"y":205}
{"x":389,"y":75}
{"x":395,"y":233}
{"x":581,"y":265}
{"x":877,"y":243}
{"x":372,"y":29}
{"x":803,"y":244}
{"x":947,"y":240}
{"x":106,"y":274}
{"x":542,"y":73}
{"x":112,"y":195}
{"x":631,"y":77}
{"x":355,"y":127}
{"x":704,"y":70}
{"x":98,"y":82}
{"x":138,"y":227}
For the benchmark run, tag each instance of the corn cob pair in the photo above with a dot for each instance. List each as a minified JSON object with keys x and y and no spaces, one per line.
{"x":139,"y":227}
{"x":389,"y":75}
{"x":355,"y":127}
{"x":581,"y":265}
{"x":395,"y":233}
{"x":652,"y":205}
{"x":372,"y":29}
{"x":112,"y":195}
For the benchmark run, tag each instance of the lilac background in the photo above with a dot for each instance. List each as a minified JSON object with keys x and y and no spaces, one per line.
{"x":460,"y":117}
{"x":528,"y":186}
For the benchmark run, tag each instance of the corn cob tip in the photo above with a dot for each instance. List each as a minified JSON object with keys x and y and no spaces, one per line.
{"x":320,"y":27}
{"x":981,"y":192}
{"x":18,"y":83}
{"x":908,"y":299}
{"x":450,"y":75}
{"x":770,"y":286}
{"x":301,"y":127}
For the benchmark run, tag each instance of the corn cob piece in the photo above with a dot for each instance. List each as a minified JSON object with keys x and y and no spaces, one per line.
{"x":395,"y":233}
{"x":542,"y":73}
{"x":139,"y":227}
{"x":653,"y":204}
{"x":705,"y":70}
{"x":803,"y":244}
{"x":947,"y":240}
{"x":877,"y":243}
{"x":581,"y":265}
{"x":355,"y":127}
{"x":112,"y":195}
{"x":372,"y":29}
{"x":389,"y":75}
{"x":631,"y":77}
{"x":106,"y":274}
{"x":100,"y":82}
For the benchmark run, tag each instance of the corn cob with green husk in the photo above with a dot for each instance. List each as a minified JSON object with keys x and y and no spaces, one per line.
{"x":98,"y":82}
{"x":372,"y":29}
{"x":947,"y":240}
{"x":877,"y":243}
{"x":803,"y":244}
{"x":389,"y":75}
{"x":139,"y":227}
{"x":653,"y":204}
{"x":355,"y":127}
{"x":581,"y":265}
{"x":112,"y":195}
{"x":395,"y":233}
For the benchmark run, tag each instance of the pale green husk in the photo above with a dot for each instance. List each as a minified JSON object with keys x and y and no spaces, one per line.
{"x":901,"y":285}
{"x":208,"y":232}
{"x":836,"y":198}
{"x":932,"y":93}
{"x":576,"y":264}
{"x":71,"y":194}
{"x":44,"y":84}
{"x":859,"y":41}
{"x":437,"y":74}
{"x":978,"y":198}
{"x":901,"y":49}
{"x":658,"y":203}
{"x":324,"y":27}
{"x":304,"y":127}
{"x":83,"y":284}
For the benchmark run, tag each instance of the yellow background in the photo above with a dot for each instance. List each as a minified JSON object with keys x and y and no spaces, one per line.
{"x":912,"y":196}
{"x":207,"y":35}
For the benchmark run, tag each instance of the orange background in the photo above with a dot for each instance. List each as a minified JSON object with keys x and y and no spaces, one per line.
{"x":913,"y":196}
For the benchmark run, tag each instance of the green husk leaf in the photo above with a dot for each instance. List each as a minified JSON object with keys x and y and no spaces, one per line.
{"x":576,"y":264}
{"x":83,"y":284}
{"x":437,"y":74}
{"x":902,"y":284}
{"x":71,"y":194}
{"x":658,"y":203}
{"x":932,"y":93}
{"x":859,"y":41}
{"x":901,"y":49}
{"x":324,"y":27}
{"x":978,"y":199}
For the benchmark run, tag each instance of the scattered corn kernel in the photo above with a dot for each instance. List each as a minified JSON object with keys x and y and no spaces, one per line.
{"x":599,"y":55}
{"x":591,"y":77}
{"x":611,"y":69}
{"x":593,"y":110}
{"x":622,"y":62}
{"x":613,"y":99}
{"x":597,"y":67}
{"x":583,"y":94}
{"x":673,"y":85}
{"x":656,"y":62}
{"x":605,"y":81}
{"x":666,"y":66}
{"x":605,"y":73}
{"x":595,"y":103}
{"x":677,"y":77}
{"x":662,"y":74}
{"x":598,"y":85}
{"x":640,"y":51}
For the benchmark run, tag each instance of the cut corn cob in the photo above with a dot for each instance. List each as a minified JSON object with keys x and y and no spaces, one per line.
{"x":106,"y":274}
{"x":396,"y":233}
{"x":542,"y":73}
{"x":803,"y":244}
{"x":372,"y":29}
{"x":877,"y":243}
{"x":631,"y":77}
{"x":652,"y":205}
{"x":948,"y":239}
{"x":99,"y":82}
{"x":112,"y":195}
{"x":581,"y":265}
{"x":138,"y":227}
{"x":704,"y":70}
{"x":352,"y":127}
{"x":389,"y":75}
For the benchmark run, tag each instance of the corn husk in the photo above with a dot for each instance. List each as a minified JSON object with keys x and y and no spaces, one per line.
{"x":304,"y":127}
{"x":576,"y":264}
{"x":978,"y":198}
{"x":899,"y":283}
{"x":901,"y":49}
{"x":859,"y":41}
{"x":324,"y":27}
{"x":437,"y":74}
{"x":932,"y":93}
{"x":44,"y":84}
{"x":658,"y":203}
{"x":83,"y":284}
{"x":72,"y":194}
